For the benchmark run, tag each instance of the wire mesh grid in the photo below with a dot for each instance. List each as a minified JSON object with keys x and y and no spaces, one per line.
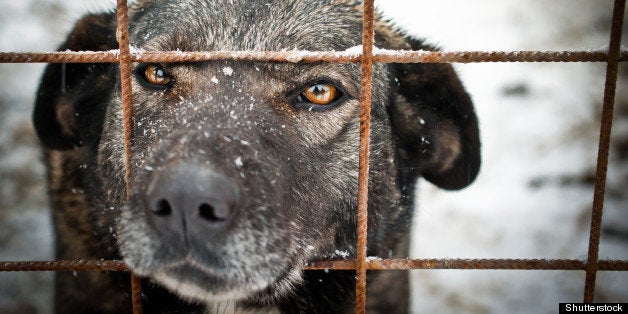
{"x":125,"y":56}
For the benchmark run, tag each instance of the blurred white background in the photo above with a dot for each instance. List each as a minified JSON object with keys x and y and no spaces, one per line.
{"x":539,"y":124}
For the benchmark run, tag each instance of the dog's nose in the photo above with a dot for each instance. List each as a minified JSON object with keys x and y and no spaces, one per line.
{"x":191,"y":200}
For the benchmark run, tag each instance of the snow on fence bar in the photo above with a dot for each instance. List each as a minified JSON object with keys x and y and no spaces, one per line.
{"x":347,"y":56}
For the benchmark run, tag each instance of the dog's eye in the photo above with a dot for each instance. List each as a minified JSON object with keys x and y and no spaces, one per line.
{"x":321,"y":94}
{"x":155,"y":75}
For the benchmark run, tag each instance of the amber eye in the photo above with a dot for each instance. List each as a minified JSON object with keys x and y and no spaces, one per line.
{"x":153,"y":74}
{"x":321,"y":94}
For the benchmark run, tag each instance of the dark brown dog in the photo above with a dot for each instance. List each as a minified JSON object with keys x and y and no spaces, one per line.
{"x":242,"y":172}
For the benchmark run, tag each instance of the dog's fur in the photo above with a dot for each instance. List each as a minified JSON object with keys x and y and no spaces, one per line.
{"x":291,"y":167}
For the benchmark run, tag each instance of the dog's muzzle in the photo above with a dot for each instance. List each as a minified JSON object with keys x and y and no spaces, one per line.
{"x":188,"y":202}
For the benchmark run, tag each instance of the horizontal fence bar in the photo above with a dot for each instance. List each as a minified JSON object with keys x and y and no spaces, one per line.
{"x":470,"y":264}
{"x":60,"y":57}
{"x":388,"y":56}
{"x":492,"y":56}
{"x":67,"y":265}
{"x":372,"y":264}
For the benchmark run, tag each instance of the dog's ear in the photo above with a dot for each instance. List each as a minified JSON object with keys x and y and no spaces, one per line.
{"x":71,"y":97}
{"x":435,"y":124}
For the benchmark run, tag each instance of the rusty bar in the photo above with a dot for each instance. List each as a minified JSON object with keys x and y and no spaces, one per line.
{"x":269,"y":56}
{"x":612,"y":265}
{"x":603,"y":150}
{"x":122,"y":35}
{"x":463,"y":264}
{"x":401,"y":56}
{"x":60,"y":57}
{"x":136,"y":294}
{"x":69,"y":265}
{"x":467,"y":264}
{"x":405,"y":56}
{"x":470,"y":264}
{"x":373,"y":263}
{"x":368,"y":39}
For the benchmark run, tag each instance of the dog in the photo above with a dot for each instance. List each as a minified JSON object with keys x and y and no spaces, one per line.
{"x":242,"y":172}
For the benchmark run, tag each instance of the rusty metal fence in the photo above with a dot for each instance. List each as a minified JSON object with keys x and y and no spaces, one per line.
{"x":125,"y":56}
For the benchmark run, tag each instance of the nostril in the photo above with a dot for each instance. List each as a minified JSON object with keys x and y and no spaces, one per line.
{"x":162,"y":208}
{"x":210,"y":213}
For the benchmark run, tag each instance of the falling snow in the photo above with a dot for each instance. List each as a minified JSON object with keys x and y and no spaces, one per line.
{"x":228,"y":71}
{"x":238,"y":162}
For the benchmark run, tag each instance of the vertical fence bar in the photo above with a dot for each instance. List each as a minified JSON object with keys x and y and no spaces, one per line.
{"x":363,"y":175}
{"x":122,"y":35}
{"x":136,"y":294}
{"x":603,"y":150}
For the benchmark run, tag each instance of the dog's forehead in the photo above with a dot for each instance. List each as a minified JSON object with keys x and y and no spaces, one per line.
{"x":205,"y":25}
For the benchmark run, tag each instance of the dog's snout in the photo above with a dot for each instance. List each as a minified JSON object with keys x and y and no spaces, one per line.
{"x":211,"y":210}
{"x":189,"y":200}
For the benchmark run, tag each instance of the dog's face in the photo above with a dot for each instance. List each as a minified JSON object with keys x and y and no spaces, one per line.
{"x":242,"y":172}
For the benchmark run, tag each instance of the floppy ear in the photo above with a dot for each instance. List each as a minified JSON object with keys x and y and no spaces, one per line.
{"x":435,"y":124}
{"x":70,"y":103}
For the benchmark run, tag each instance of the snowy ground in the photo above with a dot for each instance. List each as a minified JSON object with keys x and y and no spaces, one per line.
{"x":539,"y":126}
